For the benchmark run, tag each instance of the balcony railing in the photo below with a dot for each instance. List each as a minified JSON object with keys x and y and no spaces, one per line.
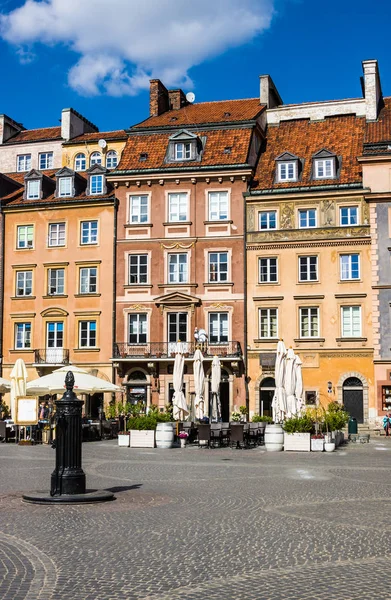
{"x":167,"y":349}
{"x":52,"y":356}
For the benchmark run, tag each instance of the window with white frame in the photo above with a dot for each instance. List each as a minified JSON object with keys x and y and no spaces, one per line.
{"x":56,"y":278}
{"x":23,"y":162}
{"x":65,"y":187}
{"x":218,"y":328}
{"x":177,"y":207}
{"x":138,"y":269}
{"x":80,"y":162}
{"x":56,"y":234}
{"x":267,"y":270}
{"x":137,"y":333}
{"x":95,"y":159}
{"x":89,"y":232}
{"x":138,"y":209}
{"x":24,"y":283}
{"x":111,"y":159}
{"x":348,"y":215}
{"x":96,"y":184}
{"x":287,"y":171}
{"x":25,"y":236}
{"x":350,"y":266}
{"x":324,"y":168}
{"x":33,"y":189}
{"x":46,"y":160}
{"x":88,"y":280}
{"x":22,"y":336}
{"x":218,"y":206}
{"x":182,"y":151}
{"x":87,"y":334}
{"x":218,"y":266}
{"x":309,"y":322}
{"x":268,"y":323}
{"x":177,"y":268}
{"x":267,"y":219}
{"x":307,"y":218}
{"x":308,"y":268}
{"x":351,"y":321}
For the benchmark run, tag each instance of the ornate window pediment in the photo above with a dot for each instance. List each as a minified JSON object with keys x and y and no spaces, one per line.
{"x":54,"y":312}
{"x":177,"y":299}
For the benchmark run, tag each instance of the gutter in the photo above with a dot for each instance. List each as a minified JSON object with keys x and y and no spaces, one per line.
{"x":245,"y":303}
{"x":161,"y":170}
{"x":114,"y":308}
{"x":2,"y":237}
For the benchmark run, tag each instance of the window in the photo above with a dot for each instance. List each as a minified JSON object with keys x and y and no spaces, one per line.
{"x":307,"y":218}
{"x":111,"y":159}
{"x":218,"y":206}
{"x":96,"y":184}
{"x":268,"y":220}
{"x":25,"y":235}
{"x":348,"y":215}
{"x":23,"y":162}
{"x":351,"y":321}
{"x":268,"y":270}
{"x":308,"y":268}
{"x":218,"y":328}
{"x":324,"y":168}
{"x":138,"y":268}
{"x":24,"y":283}
{"x":65,"y":186}
{"x":182,"y":151}
{"x":218,"y":266}
{"x":138,"y":209}
{"x":89,"y":232}
{"x":96,"y":159}
{"x":80,"y":162}
{"x":350,"y":266}
{"x":22,"y":336}
{"x":88,"y":280}
{"x":33,"y":189}
{"x":138,"y":328}
{"x":46,"y":160}
{"x":177,"y":268}
{"x":177,"y":327}
{"x":57,"y":234}
{"x":309,"y":322}
{"x":56,"y":279}
{"x":287,"y":171}
{"x":268,"y":323}
{"x":87,"y":334}
{"x":177,"y":207}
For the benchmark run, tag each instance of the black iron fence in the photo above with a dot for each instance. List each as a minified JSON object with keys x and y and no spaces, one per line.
{"x":167,"y":349}
{"x":52,"y":356}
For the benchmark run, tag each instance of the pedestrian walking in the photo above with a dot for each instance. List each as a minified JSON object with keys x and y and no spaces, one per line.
{"x":386,"y":424}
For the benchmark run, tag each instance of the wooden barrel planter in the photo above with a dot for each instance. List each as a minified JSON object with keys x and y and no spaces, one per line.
{"x":274,"y":438}
{"x":164,"y":435}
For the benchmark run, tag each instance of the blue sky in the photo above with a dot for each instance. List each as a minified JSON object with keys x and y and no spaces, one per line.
{"x":313,"y":51}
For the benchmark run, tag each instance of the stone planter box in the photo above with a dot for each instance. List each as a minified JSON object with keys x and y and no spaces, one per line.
{"x":297,"y":442}
{"x":124,"y":440}
{"x":142,"y":439}
{"x":317,"y":445}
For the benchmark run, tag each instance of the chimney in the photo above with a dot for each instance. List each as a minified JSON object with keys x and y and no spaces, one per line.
{"x":158,"y":98}
{"x":8,"y":128}
{"x":371,"y":89}
{"x":74,"y":124}
{"x":268,"y":92}
{"x":177,"y":99}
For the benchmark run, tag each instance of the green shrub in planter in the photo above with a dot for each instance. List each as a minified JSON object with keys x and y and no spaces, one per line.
{"x":144,"y":422}
{"x":300,"y":424}
{"x":258,"y":419}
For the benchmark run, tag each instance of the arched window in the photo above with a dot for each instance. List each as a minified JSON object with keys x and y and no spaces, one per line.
{"x":352,"y":382}
{"x":80,"y":162}
{"x":137,"y":376}
{"x":96,"y":159}
{"x":111,"y":159}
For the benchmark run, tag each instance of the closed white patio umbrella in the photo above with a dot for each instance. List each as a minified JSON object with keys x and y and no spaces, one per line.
{"x":54,"y":383}
{"x":290,"y":383}
{"x":279,"y":398}
{"x":215,"y":389}
{"x":179,"y":405}
{"x":199,"y":381}
{"x":299,"y":384}
{"x":18,"y":384}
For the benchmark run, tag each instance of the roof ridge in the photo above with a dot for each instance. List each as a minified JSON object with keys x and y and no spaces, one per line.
{"x":38,"y":128}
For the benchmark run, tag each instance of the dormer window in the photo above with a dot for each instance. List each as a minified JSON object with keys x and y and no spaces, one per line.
{"x":37,"y":185}
{"x":68,"y":183}
{"x":184,"y":146}
{"x":143,"y":156}
{"x":287,"y":168}
{"x":182,"y":151}
{"x":96,"y":184}
{"x":96,"y":181}
{"x":65,"y":187}
{"x":33,"y":189}
{"x":324,"y":165}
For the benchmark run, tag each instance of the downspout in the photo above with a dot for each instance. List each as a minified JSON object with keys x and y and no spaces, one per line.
{"x":114,"y":313}
{"x":245,"y":301}
{"x":2,"y":236}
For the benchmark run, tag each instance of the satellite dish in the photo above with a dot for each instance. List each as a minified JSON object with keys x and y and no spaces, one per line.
{"x":102,"y":143}
{"x":190,"y":97}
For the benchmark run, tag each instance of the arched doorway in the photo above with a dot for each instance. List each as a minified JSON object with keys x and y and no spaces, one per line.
{"x":353,"y":398}
{"x":136,"y":388}
{"x":266,"y":393}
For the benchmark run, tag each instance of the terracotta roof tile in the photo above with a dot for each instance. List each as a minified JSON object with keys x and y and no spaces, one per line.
{"x":215,"y":152}
{"x":225,"y":111}
{"x":341,"y":135}
{"x":380,"y":130}
{"x":119,"y":134}
{"x":36,"y":135}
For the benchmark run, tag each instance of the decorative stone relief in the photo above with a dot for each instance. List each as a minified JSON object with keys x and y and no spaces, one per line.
{"x":251,"y":219}
{"x":309,"y":234}
{"x":287,"y":215}
{"x":327,"y":211}
{"x":365,"y":213}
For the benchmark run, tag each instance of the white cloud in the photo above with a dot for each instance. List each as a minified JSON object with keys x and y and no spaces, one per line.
{"x":123,"y":43}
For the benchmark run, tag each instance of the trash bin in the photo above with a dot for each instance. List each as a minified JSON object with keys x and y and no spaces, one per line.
{"x":352,"y":425}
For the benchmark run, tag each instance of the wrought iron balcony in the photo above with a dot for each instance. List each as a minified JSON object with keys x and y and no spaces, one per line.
{"x":167,"y":350}
{"x":52,"y":356}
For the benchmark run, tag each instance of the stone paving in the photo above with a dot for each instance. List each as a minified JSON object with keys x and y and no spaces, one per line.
{"x":200,"y":524}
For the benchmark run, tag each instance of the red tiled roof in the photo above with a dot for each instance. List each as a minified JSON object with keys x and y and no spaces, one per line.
{"x":119,"y":134}
{"x":155,"y":146}
{"x":36,"y":135}
{"x":225,"y":111}
{"x":380,"y":130}
{"x":341,"y":135}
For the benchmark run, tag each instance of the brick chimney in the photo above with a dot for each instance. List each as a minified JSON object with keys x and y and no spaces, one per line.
{"x":371,"y":89}
{"x":158,"y":98}
{"x":177,"y":99}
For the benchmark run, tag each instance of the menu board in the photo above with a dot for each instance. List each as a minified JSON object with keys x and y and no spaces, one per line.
{"x":26,"y":411}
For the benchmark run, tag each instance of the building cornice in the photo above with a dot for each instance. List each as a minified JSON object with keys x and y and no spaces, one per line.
{"x":316,"y":190}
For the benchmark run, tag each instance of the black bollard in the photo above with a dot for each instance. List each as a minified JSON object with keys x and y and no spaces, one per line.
{"x":68,"y":476}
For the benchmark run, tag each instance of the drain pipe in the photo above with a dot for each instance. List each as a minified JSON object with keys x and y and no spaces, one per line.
{"x":114,"y":312}
{"x":2,"y":237}
{"x":245,"y":194}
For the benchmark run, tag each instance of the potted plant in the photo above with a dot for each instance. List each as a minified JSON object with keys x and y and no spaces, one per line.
{"x":183,"y":438}
{"x":46,"y":434}
{"x":317,"y":442}
{"x":297,"y":433}
{"x":235,"y":417}
{"x":243,"y":412}
{"x":124,"y":439}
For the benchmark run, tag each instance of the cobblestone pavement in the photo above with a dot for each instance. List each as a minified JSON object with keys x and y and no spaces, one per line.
{"x":200,"y":524}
